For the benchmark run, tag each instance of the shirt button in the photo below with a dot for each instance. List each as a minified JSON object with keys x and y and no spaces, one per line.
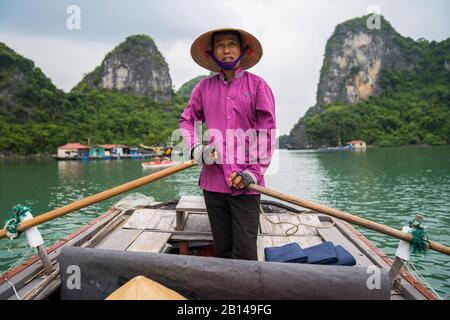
{"x":228,"y":98}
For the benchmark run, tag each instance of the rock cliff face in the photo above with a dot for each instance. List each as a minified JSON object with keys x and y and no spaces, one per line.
{"x":355,"y":58}
{"x":135,"y":66}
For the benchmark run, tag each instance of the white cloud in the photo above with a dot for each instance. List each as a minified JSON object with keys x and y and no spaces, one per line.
{"x":64,"y":61}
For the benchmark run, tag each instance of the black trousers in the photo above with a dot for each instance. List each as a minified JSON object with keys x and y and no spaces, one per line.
{"x":234,"y":224}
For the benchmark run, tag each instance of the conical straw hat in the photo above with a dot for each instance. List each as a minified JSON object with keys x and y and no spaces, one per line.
{"x":203,"y":43}
{"x":142,"y":288}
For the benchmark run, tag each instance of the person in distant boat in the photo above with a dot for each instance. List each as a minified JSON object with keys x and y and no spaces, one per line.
{"x":168,"y":152}
{"x":230,"y":102}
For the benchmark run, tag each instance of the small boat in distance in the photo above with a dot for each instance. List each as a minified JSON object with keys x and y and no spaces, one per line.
{"x":158,"y":164}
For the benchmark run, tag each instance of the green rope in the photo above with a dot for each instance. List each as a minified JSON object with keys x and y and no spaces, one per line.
{"x":420,"y":241}
{"x":18,"y":213}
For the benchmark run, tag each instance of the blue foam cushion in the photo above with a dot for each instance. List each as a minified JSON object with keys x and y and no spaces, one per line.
{"x":324,"y":253}
{"x":344,"y":257}
{"x":291,"y":252}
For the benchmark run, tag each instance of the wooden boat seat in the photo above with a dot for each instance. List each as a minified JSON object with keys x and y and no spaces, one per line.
{"x":186,"y":205}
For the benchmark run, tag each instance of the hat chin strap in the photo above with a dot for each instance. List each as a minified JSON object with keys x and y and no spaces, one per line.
{"x":227,"y":65}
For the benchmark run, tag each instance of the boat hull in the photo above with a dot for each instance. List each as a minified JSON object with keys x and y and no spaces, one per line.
{"x":196,"y":277}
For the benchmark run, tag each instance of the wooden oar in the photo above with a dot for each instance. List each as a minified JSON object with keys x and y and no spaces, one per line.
{"x":346,"y":217}
{"x":74,"y":206}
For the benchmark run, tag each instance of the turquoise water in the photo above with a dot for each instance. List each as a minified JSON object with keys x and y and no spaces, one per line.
{"x":386,"y":185}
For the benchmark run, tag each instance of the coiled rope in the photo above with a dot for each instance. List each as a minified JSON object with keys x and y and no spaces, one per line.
{"x":294,"y":226}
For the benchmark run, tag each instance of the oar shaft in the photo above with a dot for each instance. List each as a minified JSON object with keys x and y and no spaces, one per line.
{"x":346,"y":217}
{"x":74,"y":206}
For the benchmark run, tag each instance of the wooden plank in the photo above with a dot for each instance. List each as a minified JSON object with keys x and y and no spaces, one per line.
{"x":191,"y":203}
{"x":51,"y":287}
{"x":293,"y":221}
{"x":181,"y":218}
{"x":203,"y":224}
{"x":167,"y":221}
{"x":157,"y":214}
{"x":264,"y":242}
{"x":120,"y":239}
{"x":260,"y":248}
{"x":139,"y":219}
{"x":311,"y":220}
{"x":269,"y":225}
{"x":290,"y":221}
{"x":397,"y":295}
{"x":149,"y":241}
{"x":192,"y":237}
{"x":197,"y":222}
{"x":264,"y":225}
{"x":92,"y":242}
{"x":280,"y":241}
{"x":25,"y":289}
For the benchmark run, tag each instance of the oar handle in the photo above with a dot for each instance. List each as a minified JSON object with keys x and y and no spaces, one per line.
{"x":74,"y":206}
{"x":345,"y":216}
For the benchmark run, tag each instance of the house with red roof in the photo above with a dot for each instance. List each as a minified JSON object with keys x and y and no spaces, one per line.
{"x":72,"y":150}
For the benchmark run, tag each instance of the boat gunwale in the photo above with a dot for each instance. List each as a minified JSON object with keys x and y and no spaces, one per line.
{"x":405,"y":274}
{"x":35,"y":258}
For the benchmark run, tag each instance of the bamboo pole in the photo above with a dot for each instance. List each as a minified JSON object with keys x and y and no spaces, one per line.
{"x":77,"y":205}
{"x":346,"y":217}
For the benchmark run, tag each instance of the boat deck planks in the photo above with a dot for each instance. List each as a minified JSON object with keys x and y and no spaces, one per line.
{"x":166,"y":222}
{"x":191,"y":204}
{"x":197,"y":223}
{"x":272,"y":226}
{"x":149,"y":241}
{"x":287,"y":223}
{"x":155,"y":218}
{"x":120,"y":239}
{"x":150,"y":230}
{"x":139,"y":219}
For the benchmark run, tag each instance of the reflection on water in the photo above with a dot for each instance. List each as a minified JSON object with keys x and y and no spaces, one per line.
{"x":386,"y":185}
{"x":70,"y":170}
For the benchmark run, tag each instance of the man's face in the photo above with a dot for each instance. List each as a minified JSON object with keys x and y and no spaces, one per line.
{"x":227,"y":47}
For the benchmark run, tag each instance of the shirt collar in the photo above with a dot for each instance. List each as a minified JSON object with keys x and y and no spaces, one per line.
{"x":237,"y":73}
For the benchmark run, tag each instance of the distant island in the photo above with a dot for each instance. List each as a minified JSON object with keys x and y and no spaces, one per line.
{"x":378,"y":86}
{"x":128,"y":99}
{"x":375,"y":85}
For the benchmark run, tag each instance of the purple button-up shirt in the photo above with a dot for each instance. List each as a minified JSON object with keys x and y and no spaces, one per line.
{"x":246,"y":104}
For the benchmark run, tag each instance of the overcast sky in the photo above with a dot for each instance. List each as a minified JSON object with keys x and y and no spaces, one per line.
{"x":293,"y":35}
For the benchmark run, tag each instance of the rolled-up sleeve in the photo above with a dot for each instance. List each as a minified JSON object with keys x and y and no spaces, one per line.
{"x":265,"y":129}
{"x":192,"y":117}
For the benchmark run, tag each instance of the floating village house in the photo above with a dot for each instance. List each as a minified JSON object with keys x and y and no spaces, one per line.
{"x":357,"y":144}
{"x":115,"y":150}
{"x":97,"y":152}
{"x":72,"y":151}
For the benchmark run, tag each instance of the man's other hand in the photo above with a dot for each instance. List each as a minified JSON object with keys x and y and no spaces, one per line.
{"x":240,"y":180}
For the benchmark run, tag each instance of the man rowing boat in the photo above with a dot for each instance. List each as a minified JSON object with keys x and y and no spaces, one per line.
{"x":229,"y":103}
